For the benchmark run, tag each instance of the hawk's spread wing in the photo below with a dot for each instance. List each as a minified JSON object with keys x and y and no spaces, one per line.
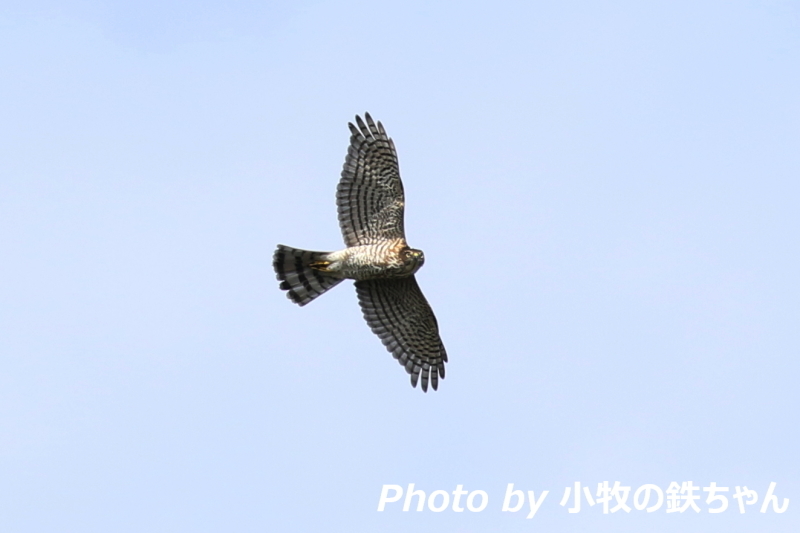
{"x":370,"y":193}
{"x":398,"y":313}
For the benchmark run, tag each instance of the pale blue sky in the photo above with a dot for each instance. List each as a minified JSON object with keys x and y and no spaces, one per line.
{"x":606,"y":194}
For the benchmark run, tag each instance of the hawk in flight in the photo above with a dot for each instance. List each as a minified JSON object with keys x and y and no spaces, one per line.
{"x":370,"y":201}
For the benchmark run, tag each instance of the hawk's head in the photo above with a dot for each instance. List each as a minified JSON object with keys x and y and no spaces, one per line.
{"x":413,"y":259}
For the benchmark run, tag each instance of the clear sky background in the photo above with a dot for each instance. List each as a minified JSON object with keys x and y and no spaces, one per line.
{"x":606,"y":194}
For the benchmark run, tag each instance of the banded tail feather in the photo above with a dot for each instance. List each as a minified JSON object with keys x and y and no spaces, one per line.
{"x":294,"y":271}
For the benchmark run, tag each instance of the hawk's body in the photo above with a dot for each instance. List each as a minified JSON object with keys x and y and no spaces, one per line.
{"x":370,"y":200}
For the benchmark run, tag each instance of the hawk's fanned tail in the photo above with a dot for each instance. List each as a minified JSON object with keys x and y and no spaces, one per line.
{"x":302,"y":282}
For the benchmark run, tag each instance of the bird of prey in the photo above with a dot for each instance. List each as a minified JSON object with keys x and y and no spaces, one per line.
{"x":370,"y":202}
